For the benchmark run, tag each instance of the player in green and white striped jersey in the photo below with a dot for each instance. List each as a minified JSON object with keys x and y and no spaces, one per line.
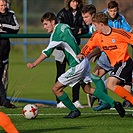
{"x":78,"y":70}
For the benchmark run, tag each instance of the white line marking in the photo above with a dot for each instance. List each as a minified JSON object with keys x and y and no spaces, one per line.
{"x":93,"y":113}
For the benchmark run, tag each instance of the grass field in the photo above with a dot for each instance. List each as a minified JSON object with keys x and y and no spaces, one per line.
{"x":37,"y":84}
{"x":51,"y":120}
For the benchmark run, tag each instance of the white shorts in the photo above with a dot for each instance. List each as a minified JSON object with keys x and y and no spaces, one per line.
{"x":79,"y":73}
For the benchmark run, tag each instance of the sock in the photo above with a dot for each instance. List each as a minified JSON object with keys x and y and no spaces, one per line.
{"x":122,"y":92}
{"x":98,"y":93}
{"x":67,"y":102}
{"x":6,"y":124}
{"x":99,"y":84}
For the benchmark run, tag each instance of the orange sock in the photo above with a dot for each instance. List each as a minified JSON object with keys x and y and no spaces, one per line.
{"x":6,"y":124}
{"x":122,"y":92}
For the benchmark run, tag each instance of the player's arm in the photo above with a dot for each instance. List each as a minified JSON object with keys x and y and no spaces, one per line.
{"x":94,"y":54}
{"x":91,"y":44}
{"x":84,"y":52}
{"x":37,"y":61}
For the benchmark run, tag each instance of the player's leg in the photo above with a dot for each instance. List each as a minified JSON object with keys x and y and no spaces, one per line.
{"x":71,"y":77}
{"x":3,"y":100}
{"x":60,"y":67}
{"x":103,"y":66}
{"x":126,"y":103}
{"x":75,"y":95}
{"x":96,"y":78}
{"x":5,"y":76}
{"x":2,"y":89}
{"x":122,"y":74}
{"x":100,"y":94}
{"x":113,"y":85}
{"x":58,"y":91}
{"x":6,"y":124}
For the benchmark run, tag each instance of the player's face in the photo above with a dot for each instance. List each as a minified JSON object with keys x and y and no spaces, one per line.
{"x":112,"y":12}
{"x":48,"y":26}
{"x":74,"y":4}
{"x":87,"y":18}
{"x":98,"y":26}
{"x":3,"y":6}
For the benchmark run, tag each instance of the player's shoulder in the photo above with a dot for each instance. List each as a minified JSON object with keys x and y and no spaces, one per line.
{"x":62,"y":27}
{"x":11,"y":11}
{"x":94,"y":35}
{"x":121,"y":32}
{"x":118,"y":30}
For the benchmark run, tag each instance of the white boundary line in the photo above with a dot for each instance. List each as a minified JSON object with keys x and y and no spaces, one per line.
{"x":58,"y":114}
{"x":97,"y":113}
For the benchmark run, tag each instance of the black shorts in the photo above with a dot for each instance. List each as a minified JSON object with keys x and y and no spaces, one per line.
{"x":123,"y":71}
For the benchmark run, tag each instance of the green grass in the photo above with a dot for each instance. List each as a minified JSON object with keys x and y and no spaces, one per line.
{"x":37,"y":84}
{"x":51,"y":120}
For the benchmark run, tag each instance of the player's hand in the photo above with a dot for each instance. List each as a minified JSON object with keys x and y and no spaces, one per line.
{"x":31,"y":65}
{"x":80,"y":56}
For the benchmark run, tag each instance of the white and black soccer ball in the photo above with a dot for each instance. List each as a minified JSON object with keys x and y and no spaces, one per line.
{"x":30,"y":111}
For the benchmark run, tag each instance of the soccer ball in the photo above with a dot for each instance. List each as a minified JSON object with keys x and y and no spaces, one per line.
{"x":30,"y":111}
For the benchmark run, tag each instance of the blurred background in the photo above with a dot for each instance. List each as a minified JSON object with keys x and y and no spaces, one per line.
{"x":29,"y":12}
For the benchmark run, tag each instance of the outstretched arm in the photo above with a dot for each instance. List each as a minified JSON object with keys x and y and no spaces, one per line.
{"x":37,"y":61}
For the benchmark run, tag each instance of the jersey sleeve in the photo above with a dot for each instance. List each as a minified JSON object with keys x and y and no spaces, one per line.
{"x":91,"y":44}
{"x":131,"y":38}
{"x":10,"y":26}
{"x":127,"y":37}
{"x":48,"y":51}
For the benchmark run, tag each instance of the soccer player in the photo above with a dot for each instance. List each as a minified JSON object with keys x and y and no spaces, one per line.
{"x":78,"y":70}
{"x":114,"y":42}
{"x":115,"y":20}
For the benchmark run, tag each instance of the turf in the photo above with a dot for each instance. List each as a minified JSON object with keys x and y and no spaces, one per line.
{"x":51,"y":120}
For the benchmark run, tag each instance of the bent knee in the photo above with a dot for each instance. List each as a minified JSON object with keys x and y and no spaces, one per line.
{"x":111,"y":86}
{"x":54,"y":89}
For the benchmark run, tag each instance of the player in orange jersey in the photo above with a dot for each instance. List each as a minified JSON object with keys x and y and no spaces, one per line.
{"x":114,"y":42}
{"x":6,"y":124}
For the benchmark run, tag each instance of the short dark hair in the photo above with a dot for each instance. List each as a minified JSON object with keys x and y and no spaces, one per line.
{"x":113,"y":4}
{"x":49,"y":16}
{"x":100,"y":18}
{"x":91,"y":9}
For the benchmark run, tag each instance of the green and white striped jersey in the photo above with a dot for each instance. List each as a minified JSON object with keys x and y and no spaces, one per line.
{"x":62,"y":37}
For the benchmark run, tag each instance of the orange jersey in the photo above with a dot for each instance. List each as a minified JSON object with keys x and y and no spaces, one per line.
{"x":115,"y":45}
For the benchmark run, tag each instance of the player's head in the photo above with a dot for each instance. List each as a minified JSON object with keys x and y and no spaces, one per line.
{"x":49,"y":21}
{"x":112,"y":9}
{"x":100,"y":20}
{"x":73,"y":4}
{"x":3,"y":6}
{"x":88,"y":12}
